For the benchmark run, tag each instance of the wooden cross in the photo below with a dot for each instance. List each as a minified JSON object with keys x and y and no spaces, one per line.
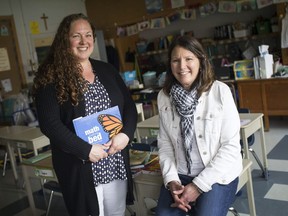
{"x":44,"y":17}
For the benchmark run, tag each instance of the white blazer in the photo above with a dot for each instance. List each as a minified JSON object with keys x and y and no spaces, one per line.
{"x":217,"y":130}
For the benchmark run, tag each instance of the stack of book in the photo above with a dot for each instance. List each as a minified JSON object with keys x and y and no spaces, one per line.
{"x":144,"y":162}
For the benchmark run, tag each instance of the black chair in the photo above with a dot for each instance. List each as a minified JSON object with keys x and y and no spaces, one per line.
{"x":53,"y":186}
{"x":251,"y":140}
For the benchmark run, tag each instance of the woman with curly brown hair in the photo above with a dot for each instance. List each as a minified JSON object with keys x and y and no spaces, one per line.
{"x":95,"y":179}
{"x":199,"y":138}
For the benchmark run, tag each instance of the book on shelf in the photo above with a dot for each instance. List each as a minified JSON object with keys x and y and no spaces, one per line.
{"x":149,"y":165}
{"x":99,"y":127}
{"x":152,"y":166}
{"x":138,"y":157}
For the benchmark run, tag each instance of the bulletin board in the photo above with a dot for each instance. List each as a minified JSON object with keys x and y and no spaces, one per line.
{"x":12,"y":78}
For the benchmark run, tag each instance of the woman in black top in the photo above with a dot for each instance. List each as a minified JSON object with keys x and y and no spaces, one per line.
{"x":70,"y":84}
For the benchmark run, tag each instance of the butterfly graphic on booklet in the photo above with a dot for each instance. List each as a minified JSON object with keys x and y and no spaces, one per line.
{"x":110,"y":123}
{"x":99,"y":127}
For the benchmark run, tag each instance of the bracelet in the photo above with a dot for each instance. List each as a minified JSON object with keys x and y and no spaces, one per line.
{"x":198,"y":189}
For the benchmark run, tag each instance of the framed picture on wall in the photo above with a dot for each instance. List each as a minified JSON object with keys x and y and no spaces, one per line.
{"x":158,"y":23}
{"x":143,"y":25}
{"x":246,"y":5}
{"x":173,"y":17}
{"x":264,"y":3}
{"x":188,"y":14}
{"x":132,"y":30}
{"x":207,"y":9}
{"x":227,"y":7}
{"x":153,"y":6}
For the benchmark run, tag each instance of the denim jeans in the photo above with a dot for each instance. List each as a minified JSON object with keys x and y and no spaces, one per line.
{"x":216,"y":202}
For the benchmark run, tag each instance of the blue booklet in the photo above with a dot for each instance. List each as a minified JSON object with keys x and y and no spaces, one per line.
{"x":100,"y":127}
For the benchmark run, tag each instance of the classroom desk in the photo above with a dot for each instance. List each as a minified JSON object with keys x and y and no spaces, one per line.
{"x":254,"y":122}
{"x":21,"y":137}
{"x":42,"y":169}
{"x":148,"y":186}
{"x":250,"y":123}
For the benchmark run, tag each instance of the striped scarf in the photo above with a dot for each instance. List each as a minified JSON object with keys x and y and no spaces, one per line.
{"x":185,"y":103}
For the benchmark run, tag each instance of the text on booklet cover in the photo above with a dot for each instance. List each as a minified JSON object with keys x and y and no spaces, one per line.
{"x":99,"y":127}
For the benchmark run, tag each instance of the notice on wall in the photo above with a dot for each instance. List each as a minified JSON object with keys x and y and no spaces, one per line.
{"x":4,"y":60}
{"x":7,"y":86}
{"x":177,"y":3}
{"x":34,"y":27}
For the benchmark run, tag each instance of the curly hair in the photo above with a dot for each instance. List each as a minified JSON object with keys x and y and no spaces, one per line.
{"x":61,"y":67}
{"x":206,"y":75}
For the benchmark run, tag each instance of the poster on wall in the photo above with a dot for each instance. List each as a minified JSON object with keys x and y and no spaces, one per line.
{"x":177,"y":3}
{"x":227,"y":7}
{"x":246,"y":5}
{"x":153,"y":6}
{"x":4,"y":31}
{"x":207,"y":9}
{"x":6,"y":84}
{"x":280,"y":1}
{"x":34,"y":27}
{"x":188,"y":14}
{"x":132,"y":30}
{"x":143,"y":25}
{"x":157,"y":23}
{"x":264,"y":3}
{"x":4,"y":60}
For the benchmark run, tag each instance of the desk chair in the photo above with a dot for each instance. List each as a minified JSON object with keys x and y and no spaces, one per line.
{"x":53,"y":186}
{"x":251,"y":141}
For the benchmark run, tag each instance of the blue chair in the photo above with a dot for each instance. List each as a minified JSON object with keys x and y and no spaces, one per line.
{"x":251,"y":140}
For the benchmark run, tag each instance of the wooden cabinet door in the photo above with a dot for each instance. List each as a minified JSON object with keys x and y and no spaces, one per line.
{"x":250,"y":95}
{"x":11,"y":69}
{"x":276,"y":96}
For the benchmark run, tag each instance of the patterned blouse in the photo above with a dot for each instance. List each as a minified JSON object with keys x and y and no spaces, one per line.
{"x":112,"y":167}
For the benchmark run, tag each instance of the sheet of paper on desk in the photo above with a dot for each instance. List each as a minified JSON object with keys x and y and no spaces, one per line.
{"x":44,"y":172}
{"x":148,"y":90}
{"x":245,"y":121}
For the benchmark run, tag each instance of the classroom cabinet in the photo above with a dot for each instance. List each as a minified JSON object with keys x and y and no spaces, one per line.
{"x":267,"y":96}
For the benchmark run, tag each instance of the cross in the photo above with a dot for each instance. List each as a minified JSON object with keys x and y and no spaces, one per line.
{"x":44,"y":17}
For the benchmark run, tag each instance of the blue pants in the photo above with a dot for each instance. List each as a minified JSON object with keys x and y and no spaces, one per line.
{"x":216,"y":202}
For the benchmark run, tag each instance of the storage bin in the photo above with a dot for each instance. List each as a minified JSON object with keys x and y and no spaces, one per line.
{"x":129,"y":77}
{"x":243,"y":69}
{"x":149,"y":79}
{"x":263,"y":27}
{"x":241,"y":33}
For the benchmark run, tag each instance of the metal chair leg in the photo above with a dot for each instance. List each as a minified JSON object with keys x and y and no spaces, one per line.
{"x":5,"y":163}
{"x":233,"y":211}
{"x":257,"y":160}
{"x":49,"y":203}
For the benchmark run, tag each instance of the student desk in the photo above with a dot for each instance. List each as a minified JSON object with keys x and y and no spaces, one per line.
{"x":250,"y":123}
{"x":42,"y":169}
{"x":21,"y":137}
{"x":147,"y":185}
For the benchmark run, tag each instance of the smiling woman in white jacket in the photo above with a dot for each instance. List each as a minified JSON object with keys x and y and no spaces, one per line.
{"x":198,"y":140}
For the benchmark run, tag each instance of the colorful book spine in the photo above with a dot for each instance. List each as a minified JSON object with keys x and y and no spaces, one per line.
{"x":99,"y":127}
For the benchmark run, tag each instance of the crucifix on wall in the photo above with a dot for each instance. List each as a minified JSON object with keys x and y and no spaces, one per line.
{"x":44,"y":17}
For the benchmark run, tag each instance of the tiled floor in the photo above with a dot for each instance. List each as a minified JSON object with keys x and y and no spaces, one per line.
{"x":271,"y":196}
